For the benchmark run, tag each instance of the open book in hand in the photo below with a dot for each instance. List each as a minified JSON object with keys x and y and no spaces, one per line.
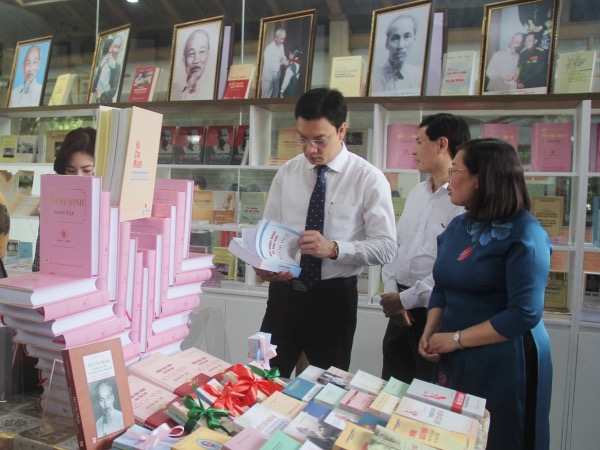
{"x":269,"y":246}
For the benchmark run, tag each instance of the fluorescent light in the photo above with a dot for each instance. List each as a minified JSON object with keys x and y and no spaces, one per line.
{"x":37,"y":2}
{"x":132,"y":1}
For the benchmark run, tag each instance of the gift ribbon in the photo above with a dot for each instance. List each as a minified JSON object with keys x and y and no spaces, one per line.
{"x":270,"y":375}
{"x":249,"y":384}
{"x":230,"y":398}
{"x":156,"y":437}
{"x":197,"y":411}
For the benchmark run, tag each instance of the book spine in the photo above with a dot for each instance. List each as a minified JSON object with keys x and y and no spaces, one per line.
{"x":122,"y":268}
{"x":136,"y":313}
{"x":192,"y":276}
{"x":150,"y":263}
{"x":103,"y":245}
{"x":167,"y":337}
{"x":181,"y":304}
{"x":95,"y":332}
{"x":73,"y":400}
{"x":74,"y":305}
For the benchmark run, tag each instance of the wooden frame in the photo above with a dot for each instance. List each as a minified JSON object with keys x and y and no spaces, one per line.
{"x":517,"y":48}
{"x":399,"y":43}
{"x":108,"y":69}
{"x":195,"y":71}
{"x":289,"y":69}
{"x":29,"y":72}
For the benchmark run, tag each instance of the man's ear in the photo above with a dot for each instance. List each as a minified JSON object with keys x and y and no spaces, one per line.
{"x":443,"y":144}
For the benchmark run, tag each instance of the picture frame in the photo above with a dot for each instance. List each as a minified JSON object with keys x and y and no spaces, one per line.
{"x":195,"y":57}
{"x":518,"y":43}
{"x":108,"y":68}
{"x":285,"y":54}
{"x":29,"y":72}
{"x":398,"y":49}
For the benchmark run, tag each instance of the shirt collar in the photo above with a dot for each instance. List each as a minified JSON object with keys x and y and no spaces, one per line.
{"x":336,"y":164}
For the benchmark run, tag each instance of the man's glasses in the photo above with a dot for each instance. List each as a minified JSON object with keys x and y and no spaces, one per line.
{"x":318,"y":143}
{"x":453,"y":170}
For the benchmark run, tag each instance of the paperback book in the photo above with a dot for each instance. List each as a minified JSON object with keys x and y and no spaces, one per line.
{"x":144,"y":84}
{"x":346,"y":75}
{"x":241,"y":145}
{"x":190,"y":145}
{"x":219,"y":140}
{"x":401,"y":139}
{"x":168,"y":140}
{"x":551,"y":146}
{"x":62,"y":89}
{"x":459,"y":73}
{"x":239,"y":81}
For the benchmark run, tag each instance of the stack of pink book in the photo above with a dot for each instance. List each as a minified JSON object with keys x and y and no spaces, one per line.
{"x":101,"y":278}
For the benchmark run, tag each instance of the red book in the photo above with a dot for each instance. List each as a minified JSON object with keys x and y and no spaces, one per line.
{"x":505,"y":131}
{"x":70,"y":225}
{"x":401,"y":140}
{"x":190,"y":145}
{"x":551,"y":147}
{"x":241,"y":144}
{"x":218,"y":149}
{"x":144,"y":84}
{"x":239,"y":81}
{"x":168,"y":142}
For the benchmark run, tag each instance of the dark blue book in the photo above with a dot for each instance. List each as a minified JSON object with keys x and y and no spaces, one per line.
{"x":316,"y":410}
{"x":370,"y":421}
{"x":302,"y":389}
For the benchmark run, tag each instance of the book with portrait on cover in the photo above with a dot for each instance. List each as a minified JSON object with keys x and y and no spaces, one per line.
{"x":144,"y":84}
{"x":99,"y":392}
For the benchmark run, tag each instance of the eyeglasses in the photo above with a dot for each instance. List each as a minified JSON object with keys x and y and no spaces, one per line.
{"x":453,"y":170}
{"x":318,"y":143}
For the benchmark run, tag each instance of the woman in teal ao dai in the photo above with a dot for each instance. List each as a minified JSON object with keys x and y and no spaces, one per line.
{"x":490,"y":275}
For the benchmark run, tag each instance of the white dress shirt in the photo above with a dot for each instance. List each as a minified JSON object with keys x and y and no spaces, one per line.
{"x":387,"y":82}
{"x":273,"y":57}
{"x":30,"y":96}
{"x":425,"y":216}
{"x":358,"y":210}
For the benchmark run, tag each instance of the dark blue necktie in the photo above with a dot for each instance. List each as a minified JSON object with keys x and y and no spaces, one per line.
{"x":311,"y":266}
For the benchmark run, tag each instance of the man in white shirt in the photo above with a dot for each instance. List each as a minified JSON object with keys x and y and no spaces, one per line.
{"x":319,"y":319}
{"x":30,"y":92}
{"x":273,"y":60}
{"x":397,"y":77}
{"x":111,"y":420}
{"x":408,"y":280}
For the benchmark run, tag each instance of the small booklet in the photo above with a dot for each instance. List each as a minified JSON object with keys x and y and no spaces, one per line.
{"x":269,"y":246}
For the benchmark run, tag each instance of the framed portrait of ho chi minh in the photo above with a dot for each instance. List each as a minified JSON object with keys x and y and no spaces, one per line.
{"x":285,"y":53}
{"x":29,"y":72}
{"x":195,"y":59}
{"x":518,"y":44}
{"x":398,"y":49}
{"x":108,"y":68}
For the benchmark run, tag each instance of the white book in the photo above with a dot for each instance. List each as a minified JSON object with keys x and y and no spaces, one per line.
{"x":365,"y":382}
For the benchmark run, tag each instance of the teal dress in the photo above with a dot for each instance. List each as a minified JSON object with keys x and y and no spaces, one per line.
{"x":498,"y":272}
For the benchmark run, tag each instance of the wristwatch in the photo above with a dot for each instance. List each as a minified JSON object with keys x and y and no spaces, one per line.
{"x":456,"y":339}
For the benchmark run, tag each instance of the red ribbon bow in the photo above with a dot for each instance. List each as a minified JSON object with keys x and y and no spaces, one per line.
{"x":248,"y":381}
{"x":231,"y":398}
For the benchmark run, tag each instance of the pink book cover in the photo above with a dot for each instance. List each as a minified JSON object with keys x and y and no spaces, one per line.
{"x":149,"y":241}
{"x":162,"y":226}
{"x":70,"y":225}
{"x":201,"y":362}
{"x":130,"y":352}
{"x":401,"y":139}
{"x":187,"y":187}
{"x":356,"y":401}
{"x":123,"y":266}
{"x":158,"y":340}
{"x":184,"y":289}
{"x":28,"y":338}
{"x":38,"y":289}
{"x":506,"y":131}
{"x":165,"y":211}
{"x":92,"y":333}
{"x":176,"y":199}
{"x":551,"y":147}
{"x":104,"y":242}
{"x":136,"y":303}
{"x":149,"y":258}
{"x":247,"y":439}
{"x":192,"y":276}
{"x":113,"y":252}
{"x":197,"y":261}
{"x":150,"y":402}
{"x":181,"y":304}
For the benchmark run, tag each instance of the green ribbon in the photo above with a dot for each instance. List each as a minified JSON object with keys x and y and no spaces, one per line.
{"x":197,"y":411}
{"x":270,"y":375}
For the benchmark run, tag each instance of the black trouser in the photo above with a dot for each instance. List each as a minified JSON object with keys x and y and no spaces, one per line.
{"x":401,"y":358}
{"x":321,"y":322}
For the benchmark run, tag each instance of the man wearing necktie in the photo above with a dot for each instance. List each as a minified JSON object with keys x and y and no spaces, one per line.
{"x":344,"y":206}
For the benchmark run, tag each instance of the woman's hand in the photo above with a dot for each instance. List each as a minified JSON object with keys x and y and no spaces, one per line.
{"x":440,"y":343}
{"x":425,"y":348}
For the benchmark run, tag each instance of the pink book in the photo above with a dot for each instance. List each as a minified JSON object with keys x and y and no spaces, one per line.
{"x":551,"y":147}
{"x":136,"y":303}
{"x":38,"y":289}
{"x":192,"y":276}
{"x":162,"y":210}
{"x":505,"y":131}
{"x":183,"y":290}
{"x":123,"y":264}
{"x":148,"y":297}
{"x":177,"y":305}
{"x":161,"y":226}
{"x":401,"y":139}
{"x":113,"y":252}
{"x":201,"y":362}
{"x":150,"y":402}
{"x":197,"y":261}
{"x":178,"y":200}
{"x":187,"y":187}
{"x":247,"y":439}
{"x":150,"y":241}
{"x":91,"y":333}
{"x":70,"y":225}
{"x":104,"y":240}
{"x":155,"y":341}
{"x":356,"y":401}
{"x":165,"y":323}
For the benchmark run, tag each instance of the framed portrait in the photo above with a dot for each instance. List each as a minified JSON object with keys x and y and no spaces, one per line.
{"x":398,"y":49}
{"x":29,"y":72}
{"x":518,"y":47}
{"x":195,"y":59}
{"x":108,"y":66}
{"x":285,"y":52}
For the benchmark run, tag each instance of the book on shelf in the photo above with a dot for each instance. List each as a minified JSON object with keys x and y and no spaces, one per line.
{"x":551,"y":146}
{"x":401,"y":139}
{"x":459,"y":73}
{"x":224,"y":206}
{"x":202,"y":210}
{"x":190,"y":146}
{"x":30,"y":149}
{"x":241,"y":145}
{"x":219,"y":145}
{"x":549,"y":210}
{"x":575,"y":72}
{"x":168,"y":142}
{"x":54,"y":139}
{"x":224,"y":263}
{"x":346,"y":75}
{"x":144,"y":84}
{"x":556,"y":293}
{"x":239,"y":81}
{"x":12,"y":252}
{"x":596,"y":221}
{"x":506,"y":131}
{"x":287,"y":146}
{"x":268,"y":246}
{"x":9,"y":143}
{"x":70,"y":225}
{"x":62,"y":89}
{"x":358,"y":141}
{"x":252,"y":207}
{"x":99,"y":392}
{"x":590,"y":306}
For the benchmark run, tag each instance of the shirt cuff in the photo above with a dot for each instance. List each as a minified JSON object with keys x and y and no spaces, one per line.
{"x":346,"y":250}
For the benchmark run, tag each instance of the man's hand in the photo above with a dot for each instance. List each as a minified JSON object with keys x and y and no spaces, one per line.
{"x":272,"y":276}
{"x":314,"y":243}
{"x":392,"y":308}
